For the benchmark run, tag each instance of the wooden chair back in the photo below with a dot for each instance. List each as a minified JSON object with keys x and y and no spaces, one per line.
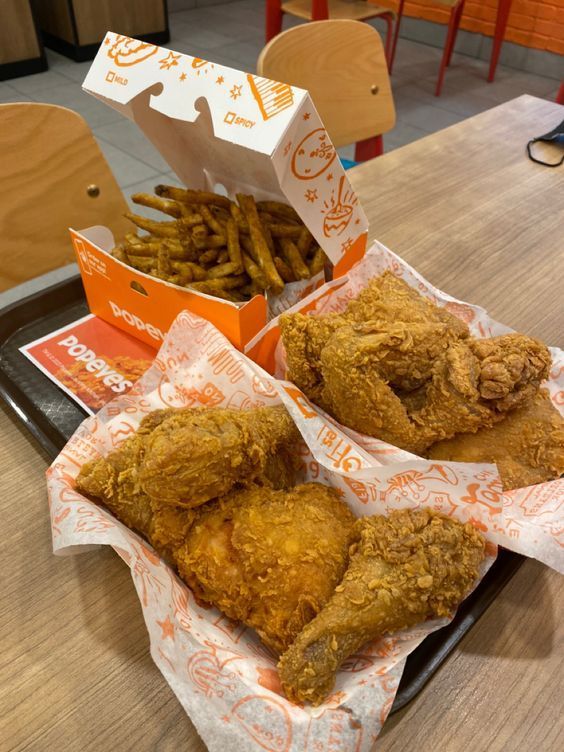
{"x":343,"y":66}
{"x":52,"y":176}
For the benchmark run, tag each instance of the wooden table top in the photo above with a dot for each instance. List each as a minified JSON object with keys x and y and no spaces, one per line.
{"x":480,"y":220}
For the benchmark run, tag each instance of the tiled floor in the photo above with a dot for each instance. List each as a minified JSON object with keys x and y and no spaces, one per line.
{"x":233,"y":34}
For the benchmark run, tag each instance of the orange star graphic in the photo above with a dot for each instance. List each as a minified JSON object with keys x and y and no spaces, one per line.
{"x":307,"y":115}
{"x":169,"y":61}
{"x":167,"y":628}
{"x":357,"y":221}
{"x":347,"y":245}
{"x":330,"y":176}
{"x":311,"y":195}
{"x":107,"y":41}
{"x":182,"y":76}
{"x":287,"y":148}
{"x":236,"y":92}
{"x":220,"y":80}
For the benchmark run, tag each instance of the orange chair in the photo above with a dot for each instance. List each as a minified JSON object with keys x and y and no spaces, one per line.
{"x":322,"y":10}
{"x":344,"y":57}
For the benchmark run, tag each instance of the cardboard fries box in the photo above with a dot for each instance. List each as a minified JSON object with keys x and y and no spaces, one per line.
{"x":222,"y":130}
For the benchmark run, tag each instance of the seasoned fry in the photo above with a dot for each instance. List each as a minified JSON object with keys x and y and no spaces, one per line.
{"x":142,"y":264}
{"x":317,"y":262}
{"x":195,"y":271}
{"x":254,"y":272}
{"x":156,"y":202}
{"x":222,"y":270}
{"x":233,"y":246}
{"x":279,"y":209}
{"x":208,"y":241}
{"x":284,"y":270}
{"x":119,"y":253}
{"x":163,"y":262}
{"x":208,"y":257}
{"x":211,"y":221}
{"x":279,"y":230}
{"x":188,"y":196}
{"x":161,"y":229}
{"x":239,"y":217}
{"x":265,"y":260}
{"x":231,"y":249}
{"x":294,"y":259}
{"x":304,"y":242}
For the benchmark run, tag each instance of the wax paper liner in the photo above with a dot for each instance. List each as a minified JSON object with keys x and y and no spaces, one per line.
{"x":224,"y":678}
{"x":528,"y":520}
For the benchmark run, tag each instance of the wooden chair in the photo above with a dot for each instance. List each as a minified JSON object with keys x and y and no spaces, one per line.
{"x":322,"y":10}
{"x":52,"y":176}
{"x":343,"y":66}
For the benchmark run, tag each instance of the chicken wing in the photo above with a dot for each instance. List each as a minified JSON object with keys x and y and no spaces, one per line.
{"x":527,"y":445}
{"x":387,"y":304}
{"x":270,"y":559}
{"x":192,"y":457}
{"x":185,"y":457}
{"x":473,"y":384}
{"x":405,"y":568}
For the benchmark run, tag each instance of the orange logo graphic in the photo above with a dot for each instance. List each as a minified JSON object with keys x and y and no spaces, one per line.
{"x":339,"y":211}
{"x":200,"y":66}
{"x":168,"y":62}
{"x":126,"y":51}
{"x":313,"y":155}
{"x":276,"y":734}
{"x":272,"y":97}
{"x":208,"y":674}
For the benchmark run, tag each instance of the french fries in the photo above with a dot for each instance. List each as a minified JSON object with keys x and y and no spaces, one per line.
{"x":231,"y":250}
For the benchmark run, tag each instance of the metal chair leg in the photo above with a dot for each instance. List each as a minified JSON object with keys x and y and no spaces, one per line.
{"x":396,"y":35}
{"x":459,"y":11}
{"x":451,"y":34}
{"x":273,"y":18}
{"x":503,"y":9}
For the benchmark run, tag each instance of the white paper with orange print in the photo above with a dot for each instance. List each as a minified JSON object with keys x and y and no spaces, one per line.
{"x":220,"y":128}
{"x":527,"y":520}
{"x":223,"y":676}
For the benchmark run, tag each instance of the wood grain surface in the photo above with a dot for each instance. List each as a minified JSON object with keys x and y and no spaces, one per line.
{"x":18,"y":36}
{"x":49,"y":159}
{"x":75,"y":666}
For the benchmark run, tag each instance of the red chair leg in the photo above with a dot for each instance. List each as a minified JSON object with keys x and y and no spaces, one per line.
{"x":273,"y":18}
{"x":396,"y":35}
{"x":319,"y":10}
{"x":459,"y":11}
{"x":503,"y":8}
{"x":451,"y":33}
{"x":368,"y":149}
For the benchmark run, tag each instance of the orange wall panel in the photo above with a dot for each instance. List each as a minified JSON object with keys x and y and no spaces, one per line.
{"x":532,"y":23}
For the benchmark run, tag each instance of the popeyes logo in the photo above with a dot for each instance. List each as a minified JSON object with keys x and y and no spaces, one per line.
{"x":126,"y":51}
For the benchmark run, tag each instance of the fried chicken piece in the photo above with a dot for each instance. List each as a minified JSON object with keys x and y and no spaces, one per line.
{"x":390,"y":305}
{"x":270,"y":559}
{"x":527,"y":445}
{"x":473,"y":384}
{"x":184,"y":457}
{"x":405,"y":568}
{"x":194,"y":456}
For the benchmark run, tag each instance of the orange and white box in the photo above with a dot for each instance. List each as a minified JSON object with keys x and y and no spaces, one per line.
{"x":222,"y":130}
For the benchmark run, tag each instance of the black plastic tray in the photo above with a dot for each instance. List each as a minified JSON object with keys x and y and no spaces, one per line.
{"x":52,"y":417}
